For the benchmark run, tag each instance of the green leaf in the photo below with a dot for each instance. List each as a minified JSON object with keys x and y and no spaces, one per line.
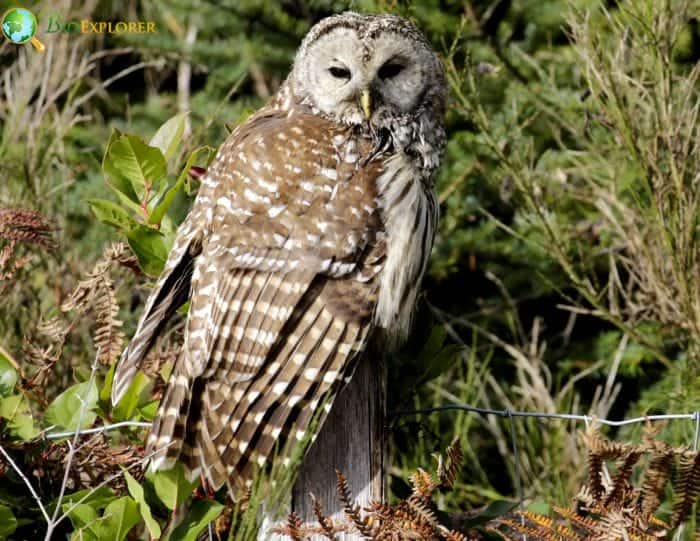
{"x":131,"y":160}
{"x":8,"y":374}
{"x":64,"y":411}
{"x":136,"y":394}
{"x":83,"y":518}
{"x":106,"y":391}
{"x":171,"y":486}
{"x":17,"y":416}
{"x":168,"y":136}
{"x":149,"y":409}
{"x":441,"y":362}
{"x":112,"y":214}
{"x":136,"y":491}
{"x":118,"y":518}
{"x":8,"y":522}
{"x":434,"y":342}
{"x":142,"y":165}
{"x":162,"y":207}
{"x":96,"y":498}
{"x":151,"y":249}
{"x":198,"y":517}
{"x":115,"y":179}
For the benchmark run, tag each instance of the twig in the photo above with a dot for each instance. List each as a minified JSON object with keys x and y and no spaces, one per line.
{"x":26,"y":482}
{"x":72,"y":446}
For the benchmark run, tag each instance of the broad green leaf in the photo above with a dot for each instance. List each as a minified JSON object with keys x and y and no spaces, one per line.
{"x":112,"y":214}
{"x":136,"y":394}
{"x":115,"y":179}
{"x":97,"y":499}
{"x":17,"y":416}
{"x":84,"y":519}
{"x":128,"y":157}
{"x":162,"y":207}
{"x":136,"y":491}
{"x":169,"y":135}
{"x":126,"y":201}
{"x":8,"y":522}
{"x":64,"y":411}
{"x":171,"y":486}
{"x":198,"y":517}
{"x":118,"y":518}
{"x":149,"y":409}
{"x":8,"y":374}
{"x":151,"y":249}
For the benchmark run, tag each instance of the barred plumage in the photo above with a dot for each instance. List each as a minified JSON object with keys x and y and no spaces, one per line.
{"x":311,"y":229}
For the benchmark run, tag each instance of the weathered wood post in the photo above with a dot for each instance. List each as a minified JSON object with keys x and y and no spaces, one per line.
{"x":352,"y":440}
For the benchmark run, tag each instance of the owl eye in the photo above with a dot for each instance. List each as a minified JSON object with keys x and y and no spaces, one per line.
{"x":390,"y":69}
{"x":339,"y":73}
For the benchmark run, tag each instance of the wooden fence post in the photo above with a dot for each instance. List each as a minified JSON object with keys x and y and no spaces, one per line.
{"x":352,"y":440}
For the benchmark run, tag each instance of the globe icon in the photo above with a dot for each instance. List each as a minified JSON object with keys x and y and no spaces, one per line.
{"x":19,"y":26}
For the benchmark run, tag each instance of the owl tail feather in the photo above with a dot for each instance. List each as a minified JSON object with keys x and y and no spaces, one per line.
{"x":167,"y":436}
{"x":238,"y":439}
{"x":171,"y":291}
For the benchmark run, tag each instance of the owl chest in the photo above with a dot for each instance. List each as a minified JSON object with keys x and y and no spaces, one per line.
{"x":409,"y":216}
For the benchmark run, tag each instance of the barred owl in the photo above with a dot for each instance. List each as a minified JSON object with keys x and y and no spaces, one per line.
{"x":311,"y":230}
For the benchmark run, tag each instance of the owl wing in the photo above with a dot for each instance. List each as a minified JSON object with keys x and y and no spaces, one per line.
{"x":174,"y":284}
{"x":281,"y":294}
{"x":169,"y":293}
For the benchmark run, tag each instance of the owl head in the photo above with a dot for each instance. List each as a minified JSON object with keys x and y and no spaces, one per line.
{"x":378,"y":73}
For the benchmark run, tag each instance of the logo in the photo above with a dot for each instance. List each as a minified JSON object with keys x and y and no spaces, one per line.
{"x":87,"y":26}
{"x":19,"y":26}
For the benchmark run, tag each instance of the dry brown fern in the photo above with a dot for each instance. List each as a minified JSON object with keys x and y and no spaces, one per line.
{"x":325,"y":523}
{"x":611,"y":506}
{"x":619,"y":509}
{"x":97,"y":292}
{"x":413,"y":518}
{"x":21,"y":227}
{"x":43,"y":356}
{"x":447,"y":473}
{"x":26,"y":226}
{"x":688,"y":485}
{"x":352,"y":511}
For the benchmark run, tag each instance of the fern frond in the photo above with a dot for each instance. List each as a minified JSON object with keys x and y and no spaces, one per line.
{"x":352,"y":512}
{"x":687,"y":487}
{"x":655,"y":479}
{"x":455,"y":458}
{"x":423,"y":483}
{"x":325,"y":522}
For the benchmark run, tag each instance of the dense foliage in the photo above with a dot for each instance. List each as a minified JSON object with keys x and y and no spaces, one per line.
{"x":565,"y":272}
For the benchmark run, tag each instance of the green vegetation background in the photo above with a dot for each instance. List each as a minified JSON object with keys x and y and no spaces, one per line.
{"x":563,"y":276}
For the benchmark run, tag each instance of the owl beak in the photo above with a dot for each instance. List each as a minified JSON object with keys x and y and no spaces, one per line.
{"x":366,"y":102}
